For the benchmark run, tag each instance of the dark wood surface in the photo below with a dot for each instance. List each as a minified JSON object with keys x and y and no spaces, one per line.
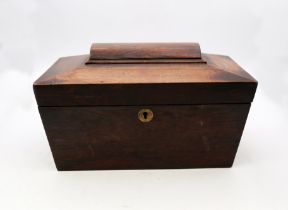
{"x":89,"y":106}
{"x":144,"y":50}
{"x":143,"y":61}
{"x":112,"y":137}
{"x":144,"y":94}
{"x":70,"y":82}
{"x":73,"y":70}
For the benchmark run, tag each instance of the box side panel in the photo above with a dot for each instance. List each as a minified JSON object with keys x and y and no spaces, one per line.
{"x":112,"y":137}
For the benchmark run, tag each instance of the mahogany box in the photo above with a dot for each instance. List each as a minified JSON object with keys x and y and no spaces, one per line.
{"x":144,"y":106}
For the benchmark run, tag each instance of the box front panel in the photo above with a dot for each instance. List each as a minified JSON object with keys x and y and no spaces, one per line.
{"x":144,"y":137}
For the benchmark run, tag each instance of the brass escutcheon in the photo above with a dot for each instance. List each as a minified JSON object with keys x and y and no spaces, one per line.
{"x":145,"y":115}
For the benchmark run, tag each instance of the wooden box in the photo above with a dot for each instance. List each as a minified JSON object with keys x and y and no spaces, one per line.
{"x":144,"y":106}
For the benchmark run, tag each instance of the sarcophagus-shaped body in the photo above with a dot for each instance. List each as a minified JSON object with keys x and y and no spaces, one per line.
{"x":144,"y":106}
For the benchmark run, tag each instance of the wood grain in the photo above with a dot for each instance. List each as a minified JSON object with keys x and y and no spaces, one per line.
{"x":89,"y":106}
{"x":112,"y":137}
{"x":70,"y":82}
{"x":144,"y":50}
{"x":73,"y":70}
{"x":144,"y":61}
{"x":144,"y":94}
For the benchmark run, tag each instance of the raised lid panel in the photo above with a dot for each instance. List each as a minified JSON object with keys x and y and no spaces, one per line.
{"x":119,"y":51}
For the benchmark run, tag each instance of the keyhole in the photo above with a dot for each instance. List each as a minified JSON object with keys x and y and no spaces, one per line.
{"x":145,"y":115}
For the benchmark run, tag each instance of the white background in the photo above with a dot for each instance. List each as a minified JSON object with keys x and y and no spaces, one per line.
{"x":33,"y":34}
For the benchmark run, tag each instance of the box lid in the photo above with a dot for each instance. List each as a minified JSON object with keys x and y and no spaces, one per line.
{"x":144,"y":74}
